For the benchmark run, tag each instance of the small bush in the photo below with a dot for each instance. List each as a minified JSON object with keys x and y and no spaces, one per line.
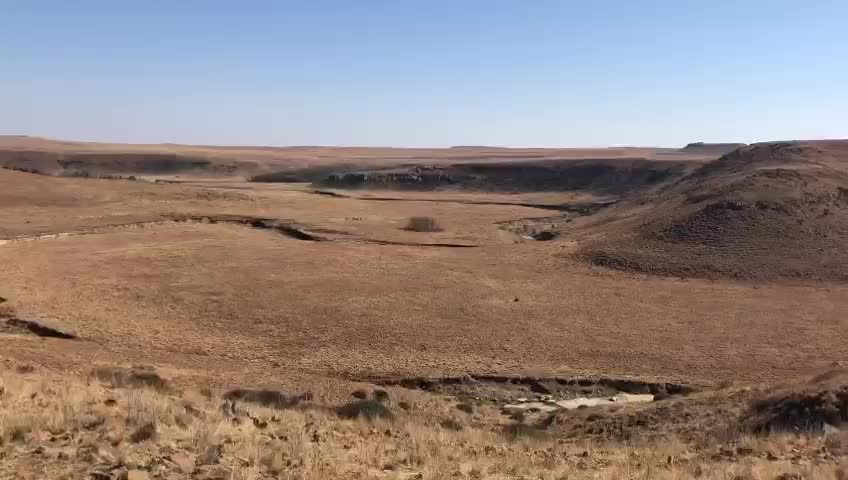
{"x":368,"y":409}
{"x":516,"y":431}
{"x":806,"y":411}
{"x":451,"y":424}
{"x":465,"y":407}
{"x":18,"y":433}
{"x":661,"y":396}
{"x":145,"y":432}
{"x":267,"y":397}
{"x":422,"y":224}
{"x":517,"y":416}
{"x":381,"y":396}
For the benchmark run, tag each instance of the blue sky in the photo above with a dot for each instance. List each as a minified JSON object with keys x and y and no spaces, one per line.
{"x":425,"y":73}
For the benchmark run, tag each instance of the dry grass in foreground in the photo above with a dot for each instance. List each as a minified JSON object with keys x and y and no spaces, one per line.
{"x":59,"y":427}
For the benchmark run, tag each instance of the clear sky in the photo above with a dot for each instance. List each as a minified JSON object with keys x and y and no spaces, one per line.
{"x":424,"y":72}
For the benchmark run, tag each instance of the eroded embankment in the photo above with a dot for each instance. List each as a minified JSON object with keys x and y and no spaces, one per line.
{"x":13,"y":325}
{"x":528,"y":384}
{"x":287,"y":228}
{"x":580,"y":208}
{"x":542,"y":395}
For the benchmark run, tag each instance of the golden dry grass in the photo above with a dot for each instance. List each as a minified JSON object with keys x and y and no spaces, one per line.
{"x":54,"y":427}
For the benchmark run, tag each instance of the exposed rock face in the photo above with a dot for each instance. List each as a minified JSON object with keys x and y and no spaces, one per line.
{"x":551,"y":405}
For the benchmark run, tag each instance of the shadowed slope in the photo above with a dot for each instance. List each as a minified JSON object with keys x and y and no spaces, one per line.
{"x":772,"y":210}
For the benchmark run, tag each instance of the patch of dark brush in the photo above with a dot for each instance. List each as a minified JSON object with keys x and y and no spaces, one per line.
{"x":367,"y":409}
{"x":267,"y":397}
{"x":35,"y":328}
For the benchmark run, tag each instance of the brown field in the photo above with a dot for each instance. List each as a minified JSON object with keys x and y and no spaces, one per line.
{"x":220,"y":283}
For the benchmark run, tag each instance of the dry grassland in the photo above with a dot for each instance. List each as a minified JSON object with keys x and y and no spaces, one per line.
{"x":54,"y":427}
{"x":222,"y":284}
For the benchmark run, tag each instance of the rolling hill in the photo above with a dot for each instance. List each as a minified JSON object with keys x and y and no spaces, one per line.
{"x":765,"y":211}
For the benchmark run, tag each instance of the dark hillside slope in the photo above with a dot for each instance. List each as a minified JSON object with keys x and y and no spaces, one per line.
{"x":717,"y":149}
{"x":609,"y":176}
{"x":109,"y":163}
{"x":765,"y":211}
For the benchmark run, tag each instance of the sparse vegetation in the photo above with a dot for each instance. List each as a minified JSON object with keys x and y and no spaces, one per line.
{"x":422,"y":224}
{"x":367,"y":409}
{"x":451,"y":424}
{"x":145,"y":431}
{"x":380,"y":395}
{"x":41,"y":437}
{"x":275,"y":177}
{"x":99,"y":176}
{"x":23,"y":169}
{"x":129,"y":377}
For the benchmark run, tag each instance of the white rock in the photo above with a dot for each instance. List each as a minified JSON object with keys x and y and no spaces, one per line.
{"x":604,"y":401}
{"x":525,"y":407}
